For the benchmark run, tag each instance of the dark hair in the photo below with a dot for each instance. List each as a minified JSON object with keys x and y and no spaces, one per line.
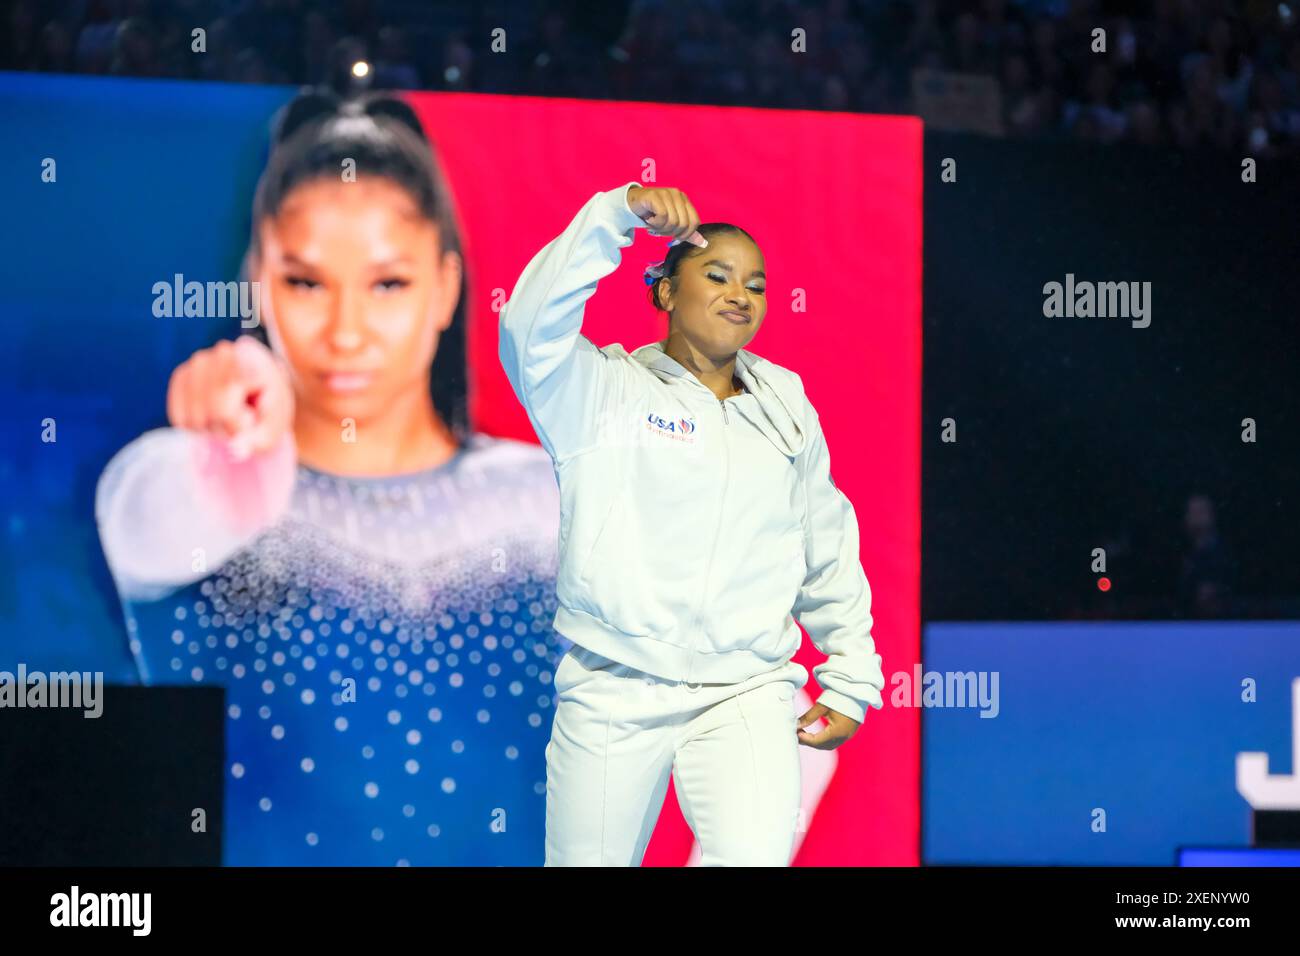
{"x":668,"y":268}
{"x":311,"y":137}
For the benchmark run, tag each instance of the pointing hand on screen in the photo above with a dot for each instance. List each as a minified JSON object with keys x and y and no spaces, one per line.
{"x":237,"y":390}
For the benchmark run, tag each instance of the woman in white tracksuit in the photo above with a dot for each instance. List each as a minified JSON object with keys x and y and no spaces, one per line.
{"x":698,"y":521}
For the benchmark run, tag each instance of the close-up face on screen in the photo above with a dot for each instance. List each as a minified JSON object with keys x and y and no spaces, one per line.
{"x":419,"y":441}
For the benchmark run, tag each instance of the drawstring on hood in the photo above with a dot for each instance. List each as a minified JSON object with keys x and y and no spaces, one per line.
{"x":777,"y":420}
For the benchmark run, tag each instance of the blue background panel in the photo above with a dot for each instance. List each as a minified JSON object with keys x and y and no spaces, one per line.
{"x":1143,"y":720}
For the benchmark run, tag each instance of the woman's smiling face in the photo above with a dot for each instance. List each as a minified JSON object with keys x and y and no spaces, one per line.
{"x":720,"y":297}
{"x":358,"y":290}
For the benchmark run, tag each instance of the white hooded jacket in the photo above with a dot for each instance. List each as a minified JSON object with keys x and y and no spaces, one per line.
{"x":693,"y":531}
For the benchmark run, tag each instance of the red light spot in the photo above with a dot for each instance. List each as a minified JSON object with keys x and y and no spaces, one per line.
{"x":1103,"y":584}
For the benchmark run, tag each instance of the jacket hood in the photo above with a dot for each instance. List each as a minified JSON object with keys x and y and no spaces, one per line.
{"x":777,"y":401}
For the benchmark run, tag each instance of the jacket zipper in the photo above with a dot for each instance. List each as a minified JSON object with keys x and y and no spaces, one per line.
{"x":708,"y":571}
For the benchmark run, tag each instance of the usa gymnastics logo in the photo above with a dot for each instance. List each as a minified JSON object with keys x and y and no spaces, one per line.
{"x":679,"y":429}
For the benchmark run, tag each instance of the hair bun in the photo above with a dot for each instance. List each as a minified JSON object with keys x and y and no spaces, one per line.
{"x":377,"y":105}
{"x":313,"y":104}
{"x":309,"y":105}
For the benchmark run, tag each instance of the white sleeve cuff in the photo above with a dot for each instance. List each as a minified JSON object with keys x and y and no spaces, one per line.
{"x":844,"y":705}
{"x":627,"y":219}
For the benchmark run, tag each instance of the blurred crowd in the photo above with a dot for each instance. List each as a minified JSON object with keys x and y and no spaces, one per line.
{"x":1182,"y":73}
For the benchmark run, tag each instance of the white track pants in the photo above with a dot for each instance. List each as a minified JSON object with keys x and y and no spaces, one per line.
{"x":619,"y":733}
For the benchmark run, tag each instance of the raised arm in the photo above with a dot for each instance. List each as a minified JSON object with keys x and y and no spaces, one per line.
{"x":557,"y":372}
{"x":174,"y":504}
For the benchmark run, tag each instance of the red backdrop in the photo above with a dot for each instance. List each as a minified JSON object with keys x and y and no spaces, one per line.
{"x":834,"y":200}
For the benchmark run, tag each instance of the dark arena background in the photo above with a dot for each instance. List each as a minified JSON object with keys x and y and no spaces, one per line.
{"x":1035,"y":263}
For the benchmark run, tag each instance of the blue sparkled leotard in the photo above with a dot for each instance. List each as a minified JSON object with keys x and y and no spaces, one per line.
{"x":387,"y":652}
